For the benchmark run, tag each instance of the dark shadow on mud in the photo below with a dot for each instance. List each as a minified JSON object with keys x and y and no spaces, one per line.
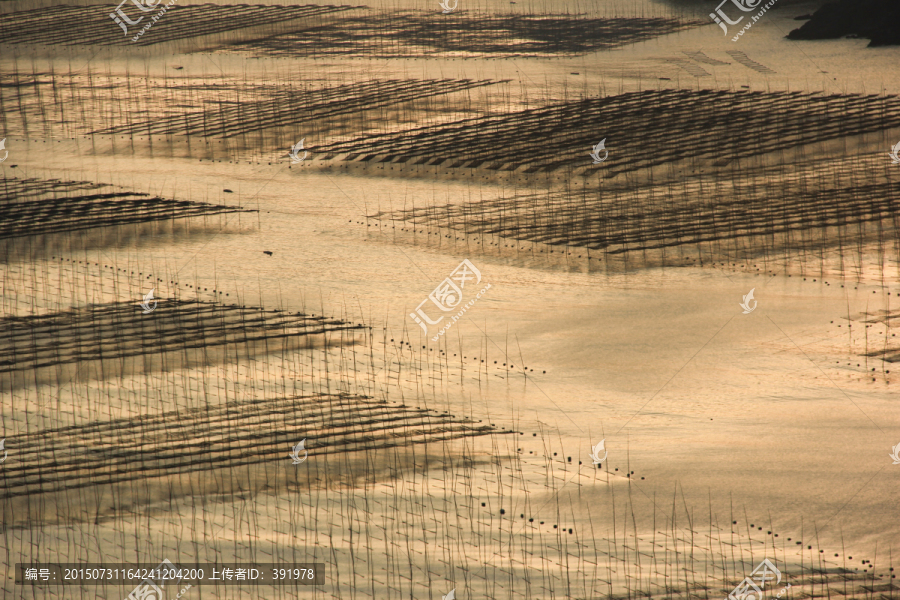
{"x":114,"y":339}
{"x":108,"y":469}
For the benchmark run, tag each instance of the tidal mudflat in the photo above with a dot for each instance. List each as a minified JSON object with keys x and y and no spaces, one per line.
{"x":521,"y":363}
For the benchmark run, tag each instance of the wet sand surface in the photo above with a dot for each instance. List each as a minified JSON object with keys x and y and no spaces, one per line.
{"x":462,"y":462}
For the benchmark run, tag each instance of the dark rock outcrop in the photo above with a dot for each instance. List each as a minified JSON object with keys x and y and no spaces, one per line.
{"x":877,"y":20}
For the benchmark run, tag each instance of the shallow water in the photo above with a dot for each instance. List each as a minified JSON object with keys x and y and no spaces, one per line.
{"x":772,"y":417}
